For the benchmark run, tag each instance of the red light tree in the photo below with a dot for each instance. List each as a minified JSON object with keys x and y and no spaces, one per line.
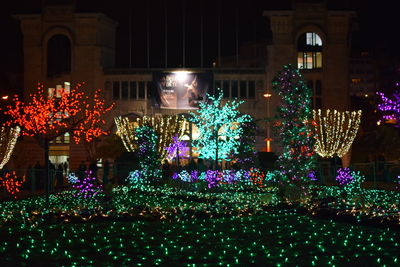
{"x":47,"y":117}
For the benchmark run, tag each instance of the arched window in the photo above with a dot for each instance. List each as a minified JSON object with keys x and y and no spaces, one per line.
{"x":309,"y":51}
{"x":58,"y":55}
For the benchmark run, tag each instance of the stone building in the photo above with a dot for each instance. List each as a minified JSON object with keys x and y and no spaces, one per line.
{"x":64,"y":47}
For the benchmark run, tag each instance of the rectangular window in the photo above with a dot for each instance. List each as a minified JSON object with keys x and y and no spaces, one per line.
{"x":310,"y":85}
{"x":148,"y":89}
{"x":124,"y":90}
{"x":132,"y":90}
{"x":243,"y":89}
{"x":66,"y":138}
{"x":318,"y":88}
{"x":116,"y":88}
{"x":225,"y":89}
{"x":141,"y":90}
{"x":309,"y":60}
{"x":252,"y":89}
{"x":300,"y":61}
{"x":217,"y":85}
{"x":234,"y":89}
{"x":318,"y":103}
{"x":318,"y":61}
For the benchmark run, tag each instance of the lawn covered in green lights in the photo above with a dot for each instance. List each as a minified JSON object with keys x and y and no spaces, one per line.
{"x":277,"y":237}
{"x":165,"y":225}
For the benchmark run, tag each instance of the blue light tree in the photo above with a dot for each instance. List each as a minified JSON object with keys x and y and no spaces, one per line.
{"x":220,"y":128}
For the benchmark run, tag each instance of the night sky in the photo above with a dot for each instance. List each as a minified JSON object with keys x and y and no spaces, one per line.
{"x":376,"y":31}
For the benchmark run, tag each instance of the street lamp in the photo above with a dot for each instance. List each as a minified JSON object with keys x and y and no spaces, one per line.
{"x":268,"y":140}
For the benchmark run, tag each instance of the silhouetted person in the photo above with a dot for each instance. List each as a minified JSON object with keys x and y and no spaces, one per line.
{"x":93,"y":168}
{"x":31,"y":179}
{"x":52,"y":171}
{"x":81,"y":170}
{"x":59,"y":175}
{"x":39,"y":175}
{"x":106,"y":172}
{"x":65,"y":168}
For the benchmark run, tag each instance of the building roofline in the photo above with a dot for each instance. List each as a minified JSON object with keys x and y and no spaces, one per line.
{"x":123,"y":71}
{"x":76,"y":15}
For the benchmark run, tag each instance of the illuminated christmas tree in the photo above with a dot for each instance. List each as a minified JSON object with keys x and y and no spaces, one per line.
{"x":149,"y":160}
{"x":294,"y":125}
{"x":220,"y":127}
{"x":246,"y":156}
{"x":47,"y":117}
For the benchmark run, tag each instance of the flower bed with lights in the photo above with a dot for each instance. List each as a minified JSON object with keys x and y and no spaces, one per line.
{"x":232,"y":193}
{"x":211,"y":178}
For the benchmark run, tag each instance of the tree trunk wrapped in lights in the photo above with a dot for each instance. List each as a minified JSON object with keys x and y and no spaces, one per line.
{"x":335,"y":131}
{"x":165,"y":127}
{"x":8,"y":139}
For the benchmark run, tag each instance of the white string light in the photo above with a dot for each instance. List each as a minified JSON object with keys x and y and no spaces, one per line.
{"x":8,"y":139}
{"x":335,"y":131}
{"x":165,"y":127}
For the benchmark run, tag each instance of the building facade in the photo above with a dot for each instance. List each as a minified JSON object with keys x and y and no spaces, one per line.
{"x":62,"y":46}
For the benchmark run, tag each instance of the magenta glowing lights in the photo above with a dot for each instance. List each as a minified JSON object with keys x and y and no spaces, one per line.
{"x":344,"y":176}
{"x":87,"y":188}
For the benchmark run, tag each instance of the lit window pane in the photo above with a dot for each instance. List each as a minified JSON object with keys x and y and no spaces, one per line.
{"x":300,"y":61}
{"x":319,"y":60}
{"x":66,"y":138}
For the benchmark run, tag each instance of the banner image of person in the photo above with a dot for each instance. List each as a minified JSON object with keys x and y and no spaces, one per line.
{"x":181,"y":89}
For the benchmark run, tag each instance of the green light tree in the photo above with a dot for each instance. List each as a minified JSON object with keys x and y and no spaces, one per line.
{"x":220,"y":128}
{"x":247,"y":156}
{"x":149,"y":159}
{"x":294,"y":125}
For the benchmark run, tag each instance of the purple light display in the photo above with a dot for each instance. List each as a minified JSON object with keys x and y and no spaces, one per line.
{"x":344,"y":176}
{"x":212,"y":178}
{"x":312,"y":176}
{"x":178,"y":148}
{"x":390,"y":107}
{"x":87,"y":187}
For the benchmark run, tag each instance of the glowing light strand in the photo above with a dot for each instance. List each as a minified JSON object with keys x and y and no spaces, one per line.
{"x":8,"y":139}
{"x":335,"y":131}
{"x":165,"y":127}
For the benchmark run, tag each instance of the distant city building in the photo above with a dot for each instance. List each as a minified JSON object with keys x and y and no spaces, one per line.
{"x":363,"y":75}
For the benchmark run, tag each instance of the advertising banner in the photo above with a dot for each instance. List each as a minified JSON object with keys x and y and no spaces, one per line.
{"x":181,"y":89}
